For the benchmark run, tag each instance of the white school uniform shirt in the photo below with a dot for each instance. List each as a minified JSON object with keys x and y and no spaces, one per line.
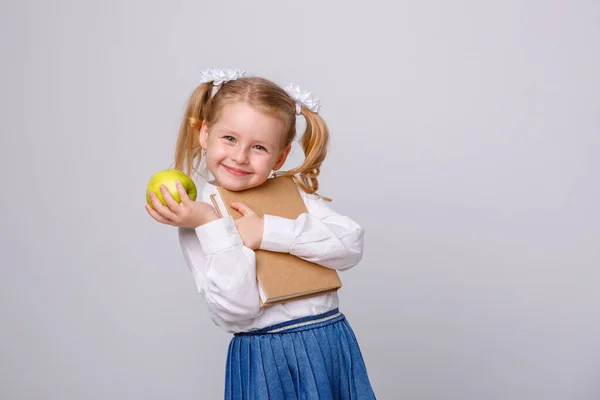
{"x":224,"y":270}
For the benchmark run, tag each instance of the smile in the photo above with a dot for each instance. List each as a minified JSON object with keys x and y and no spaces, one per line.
{"x":235,"y":171}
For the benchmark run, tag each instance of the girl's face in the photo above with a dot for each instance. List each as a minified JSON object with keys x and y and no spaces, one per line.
{"x":243,"y":146}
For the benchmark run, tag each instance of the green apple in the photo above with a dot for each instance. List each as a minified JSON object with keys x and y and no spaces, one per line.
{"x":169,"y":177}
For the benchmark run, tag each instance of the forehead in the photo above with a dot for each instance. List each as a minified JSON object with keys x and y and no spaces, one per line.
{"x":250,"y":123}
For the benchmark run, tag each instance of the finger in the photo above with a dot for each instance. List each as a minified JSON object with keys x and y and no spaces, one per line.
{"x":182,"y":193}
{"x":155,"y":215}
{"x":171,"y":202}
{"x":160,"y":208}
{"x":242,"y":208}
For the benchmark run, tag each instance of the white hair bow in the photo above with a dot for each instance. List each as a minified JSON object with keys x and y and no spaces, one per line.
{"x":219,"y":76}
{"x":303,"y":99}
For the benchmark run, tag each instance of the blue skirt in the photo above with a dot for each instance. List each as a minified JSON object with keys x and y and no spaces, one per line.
{"x":308,"y":358}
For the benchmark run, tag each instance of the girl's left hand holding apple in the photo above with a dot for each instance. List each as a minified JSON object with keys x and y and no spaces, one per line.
{"x":187,"y":214}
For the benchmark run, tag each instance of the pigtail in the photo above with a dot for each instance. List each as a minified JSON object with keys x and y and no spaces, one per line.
{"x":188,"y":152}
{"x":314,"y":142}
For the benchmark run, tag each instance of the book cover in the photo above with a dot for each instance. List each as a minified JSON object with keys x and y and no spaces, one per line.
{"x":281,"y":276}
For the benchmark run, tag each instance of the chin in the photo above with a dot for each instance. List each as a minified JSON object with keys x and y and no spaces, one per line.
{"x":236,"y":186}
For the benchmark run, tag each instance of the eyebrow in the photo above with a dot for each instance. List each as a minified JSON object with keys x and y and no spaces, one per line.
{"x":225,"y":130}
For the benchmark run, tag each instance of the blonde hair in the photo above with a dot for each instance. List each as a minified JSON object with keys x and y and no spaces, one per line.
{"x":266,"y":96}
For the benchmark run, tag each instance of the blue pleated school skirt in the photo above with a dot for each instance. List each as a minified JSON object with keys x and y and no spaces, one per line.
{"x":309,"y":358}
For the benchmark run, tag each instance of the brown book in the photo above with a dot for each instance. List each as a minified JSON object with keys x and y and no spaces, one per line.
{"x":282,"y":277}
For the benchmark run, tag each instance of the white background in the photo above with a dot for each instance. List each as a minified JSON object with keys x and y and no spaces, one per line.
{"x":465,"y":138}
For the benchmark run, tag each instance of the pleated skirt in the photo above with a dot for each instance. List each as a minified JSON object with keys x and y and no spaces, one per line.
{"x":311,"y":358}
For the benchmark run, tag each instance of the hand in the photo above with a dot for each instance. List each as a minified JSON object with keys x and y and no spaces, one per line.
{"x":250,"y":225}
{"x":187,"y":214}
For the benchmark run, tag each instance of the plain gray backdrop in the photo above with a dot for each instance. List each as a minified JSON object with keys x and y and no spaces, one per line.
{"x":465,"y":137}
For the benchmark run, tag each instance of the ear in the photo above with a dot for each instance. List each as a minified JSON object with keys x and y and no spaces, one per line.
{"x":204,"y":136}
{"x":282,"y":157}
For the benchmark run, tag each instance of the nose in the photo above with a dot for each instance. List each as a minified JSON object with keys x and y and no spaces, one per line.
{"x":240,"y":156}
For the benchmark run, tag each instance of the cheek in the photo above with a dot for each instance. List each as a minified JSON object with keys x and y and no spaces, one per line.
{"x":215,"y":154}
{"x":264,"y":164}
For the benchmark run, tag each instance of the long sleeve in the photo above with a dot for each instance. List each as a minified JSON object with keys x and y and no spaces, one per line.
{"x":224,"y":270}
{"x":322,"y":236}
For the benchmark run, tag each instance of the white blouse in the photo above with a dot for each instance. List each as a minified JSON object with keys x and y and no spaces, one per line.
{"x":224,"y":269}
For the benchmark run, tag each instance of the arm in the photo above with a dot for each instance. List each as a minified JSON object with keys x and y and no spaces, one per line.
{"x":322,"y":236}
{"x":224,"y":270}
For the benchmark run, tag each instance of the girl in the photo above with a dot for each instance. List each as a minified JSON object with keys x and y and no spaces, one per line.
{"x":242,"y":129}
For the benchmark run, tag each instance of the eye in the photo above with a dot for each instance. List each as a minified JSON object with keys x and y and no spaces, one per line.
{"x":229,"y":138}
{"x":259,"y":147}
